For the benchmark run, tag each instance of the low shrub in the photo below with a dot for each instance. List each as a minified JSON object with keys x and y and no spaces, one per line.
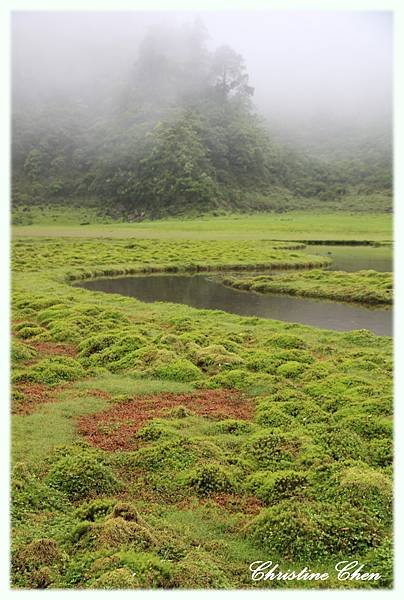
{"x":51,"y":371}
{"x":382,"y":561}
{"x":215,"y":357}
{"x":210,"y":479}
{"x":285,"y":340}
{"x":117,"y":579}
{"x":180,"y":370}
{"x":20,"y":352}
{"x":315,"y":530}
{"x":82,"y":474}
{"x":31,"y":494}
{"x":290,"y":369}
{"x":272,"y":450}
{"x":276,"y":486}
{"x":198,"y":571}
{"x":234,"y":426}
{"x":30,"y":331}
{"x":150,"y":571}
{"x":172,"y":455}
{"x":381,"y":452}
{"x":342,"y":444}
{"x":272,"y":414}
{"x":94,"y":509}
{"x":362,"y":486}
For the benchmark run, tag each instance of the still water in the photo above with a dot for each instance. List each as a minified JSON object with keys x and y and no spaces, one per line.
{"x":355,"y":258}
{"x":201,"y":292}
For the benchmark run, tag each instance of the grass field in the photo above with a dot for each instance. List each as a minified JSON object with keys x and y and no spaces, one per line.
{"x":288,"y":226}
{"x":185,"y":444}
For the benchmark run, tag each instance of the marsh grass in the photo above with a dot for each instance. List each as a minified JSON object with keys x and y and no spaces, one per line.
{"x":319,"y":418}
{"x":367,"y":287}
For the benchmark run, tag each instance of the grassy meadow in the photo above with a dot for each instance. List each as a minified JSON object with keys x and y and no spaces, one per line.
{"x":332,"y":226}
{"x":162,"y":446}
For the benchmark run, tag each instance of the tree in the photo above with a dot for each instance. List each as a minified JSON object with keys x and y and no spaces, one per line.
{"x":228,"y":71}
{"x":176,"y":174}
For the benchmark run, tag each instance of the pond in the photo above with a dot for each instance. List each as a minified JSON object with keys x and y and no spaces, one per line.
{"x":201,"y":292}
{"x":355,"y":258}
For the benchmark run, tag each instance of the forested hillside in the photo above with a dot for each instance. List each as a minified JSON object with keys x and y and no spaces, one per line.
{"x":179,"y":134}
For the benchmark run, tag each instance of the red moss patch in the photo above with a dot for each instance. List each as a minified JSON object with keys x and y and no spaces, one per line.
{"x":247,"y":504}
{"x":53,"y":348}
{"x":115,"y":429}
{"x":34,"y":394}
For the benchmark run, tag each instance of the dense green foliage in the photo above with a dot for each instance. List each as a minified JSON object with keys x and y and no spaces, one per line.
{"x":292,"y":462}
{"x":178,"y":136}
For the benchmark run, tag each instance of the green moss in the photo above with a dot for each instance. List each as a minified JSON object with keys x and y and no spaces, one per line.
{"x":38,"y":563}
{"x":151,"y":571}
{"x":342,"y":444}
{"x":240,"y":379}
{"x":210,"y":479}
{"x":314,"y":530}
{"x":21,"y":352}
{"x":381,"y":452}
{"x":286,"y":340}
{"x":82,"y":474}
{"x":30,"y":494}
{"x":51,"y":371}
{"x":172,"y":455}
{"x":362,"y":486}
{"x":233,"y":426}
{"x":153,"y":431}
{"x":94,"y":509}
{"x":179,"y":370}
{"x":116,"y":532}
{"x":276,"y":486}
{"x":43,"y":552}
{"x":290,"y":369}
{"x":270,"y":414}
{"x":198,"y":570}
{"x":382,"y":561}
{"x":215,"y":357}
{"x":117,"y":579}
{"x":30,"y":331}
{"x":273,"y":450}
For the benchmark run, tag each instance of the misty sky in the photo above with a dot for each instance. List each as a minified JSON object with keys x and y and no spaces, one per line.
{"x":303,"y":65}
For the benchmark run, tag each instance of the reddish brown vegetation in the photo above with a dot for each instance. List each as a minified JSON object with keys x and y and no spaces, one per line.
{"x":233,"y":503}
{"x":52,"y":348}
{"x":34,"y":394}
{"x":115,"y":428}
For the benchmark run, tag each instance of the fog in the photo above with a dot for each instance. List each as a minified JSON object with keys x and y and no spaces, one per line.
{"x":310,"y":70}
